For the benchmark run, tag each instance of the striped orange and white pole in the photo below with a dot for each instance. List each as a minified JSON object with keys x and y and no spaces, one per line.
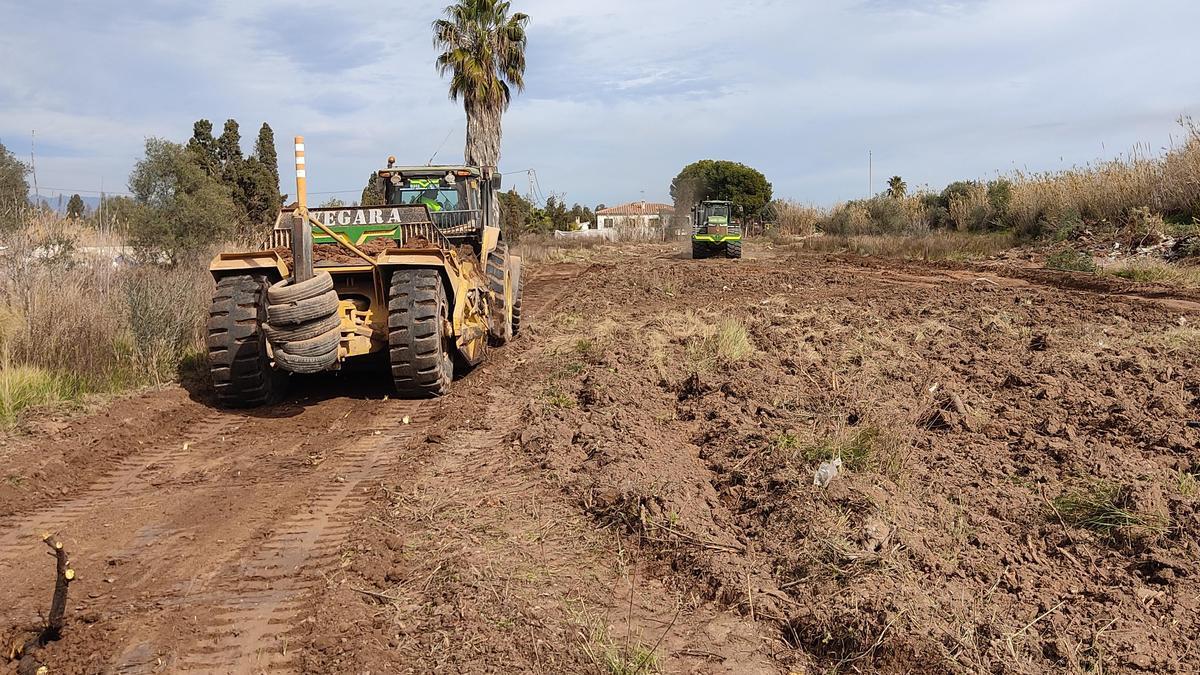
{"x":302,"y":258}
{"x":301,"y":180}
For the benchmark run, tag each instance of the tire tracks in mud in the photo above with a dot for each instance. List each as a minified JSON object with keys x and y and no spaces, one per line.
{"x":254,"y":602}
{"x":198,"y":553}
{"x":126,"y":479}
{"x":207,"y":549}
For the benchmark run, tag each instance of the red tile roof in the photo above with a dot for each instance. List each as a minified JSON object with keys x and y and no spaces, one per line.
{"x":638,"y":209}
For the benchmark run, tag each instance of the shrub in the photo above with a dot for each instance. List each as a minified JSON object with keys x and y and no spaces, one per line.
{"x":878,"y":215}
{"x":1070,"y":260}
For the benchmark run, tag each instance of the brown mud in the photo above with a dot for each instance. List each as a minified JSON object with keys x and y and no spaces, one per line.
{"x":629,"y":488}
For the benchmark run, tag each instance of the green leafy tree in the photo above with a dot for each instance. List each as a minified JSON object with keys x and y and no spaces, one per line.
{"x":483,"y":51}
{"x":203,"y":147}
{"x":897,"y":188}
{"x":721,"y":180}
{"x":181,"y":209}
{"x":117,"y":213}
{"x":556,"y":211}
{"x":75,"y":207}
{"x":14,"y":189}
{"x":515,"y":215}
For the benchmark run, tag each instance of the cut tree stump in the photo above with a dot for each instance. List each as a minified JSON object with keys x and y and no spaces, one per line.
{"x":63,"y":576}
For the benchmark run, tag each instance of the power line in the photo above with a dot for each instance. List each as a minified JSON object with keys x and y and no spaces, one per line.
{"x":325,"y":192}
{"x":92,"y":192}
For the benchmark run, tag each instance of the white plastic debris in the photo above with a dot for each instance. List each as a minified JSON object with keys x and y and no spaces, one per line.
{"x":827,"y":472}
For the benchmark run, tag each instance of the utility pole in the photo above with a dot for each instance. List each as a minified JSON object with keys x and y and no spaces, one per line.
{"x":870,"y":173}
{"x":33,"y":167}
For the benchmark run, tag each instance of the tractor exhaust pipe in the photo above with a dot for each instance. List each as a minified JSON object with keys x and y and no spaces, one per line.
{"x":302,"y":247}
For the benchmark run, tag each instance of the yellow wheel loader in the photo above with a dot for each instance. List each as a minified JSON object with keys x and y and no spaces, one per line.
{"x":424,"y":277}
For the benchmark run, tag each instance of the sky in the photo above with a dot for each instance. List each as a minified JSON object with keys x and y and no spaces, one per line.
{"x":620,"y":94}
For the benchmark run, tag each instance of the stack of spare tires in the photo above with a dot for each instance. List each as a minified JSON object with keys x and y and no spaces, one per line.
{"x":304,"y":326}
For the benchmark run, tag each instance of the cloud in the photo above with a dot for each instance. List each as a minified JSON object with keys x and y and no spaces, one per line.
{"x":620,"y":94}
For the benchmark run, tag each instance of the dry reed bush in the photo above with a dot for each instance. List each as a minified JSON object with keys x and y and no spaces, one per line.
{"x":1129,"y":195}
{"x":1111,"y":191}
{"x":76,"y":317}
{"x":972,"y":208}
{"x":794,"y":219}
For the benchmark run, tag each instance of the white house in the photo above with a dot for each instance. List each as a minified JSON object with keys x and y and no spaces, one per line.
{"x":636,"y":218}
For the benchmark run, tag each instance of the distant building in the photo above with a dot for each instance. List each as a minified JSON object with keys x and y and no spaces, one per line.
{"x":640,"y":219}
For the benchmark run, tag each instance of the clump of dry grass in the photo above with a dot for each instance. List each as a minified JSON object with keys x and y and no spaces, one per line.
{"x":720,"y":346}
{"x":1105,"y":508}
{"x":543,"y":249}
{"x":702,"y":342}
{"x":1154,"y":271}
{"x":933,"y":246}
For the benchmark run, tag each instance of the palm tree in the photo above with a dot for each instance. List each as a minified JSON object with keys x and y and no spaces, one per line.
{"x":897,"y":188}
{"x":484,"y":53}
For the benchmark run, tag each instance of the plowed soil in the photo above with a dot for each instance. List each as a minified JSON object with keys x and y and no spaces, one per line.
{"x":629,"y":487}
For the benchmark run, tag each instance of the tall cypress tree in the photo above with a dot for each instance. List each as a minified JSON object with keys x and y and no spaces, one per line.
{"x":229,"y":145}
{"x":203,"y":147}
{"x":264,"y":150}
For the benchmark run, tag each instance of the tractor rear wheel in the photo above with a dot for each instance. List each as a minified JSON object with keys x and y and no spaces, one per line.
{"x":418,"y":347}
{"x":239,"y":362}
{"x":734,"y":249}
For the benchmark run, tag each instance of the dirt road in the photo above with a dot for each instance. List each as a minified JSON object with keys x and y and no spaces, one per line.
{"x":629,"y":488}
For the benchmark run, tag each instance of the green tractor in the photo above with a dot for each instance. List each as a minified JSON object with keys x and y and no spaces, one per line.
{"x":714,"y":230}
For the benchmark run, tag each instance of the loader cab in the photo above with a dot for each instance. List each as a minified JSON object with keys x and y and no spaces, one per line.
{"x":452,"y":195}
{"x":441,"y":192}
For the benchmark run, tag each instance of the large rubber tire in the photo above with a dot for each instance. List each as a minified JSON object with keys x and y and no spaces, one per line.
{"x":699,"y":250}
{"x":319,"y":346}
{"x":733,"y":249}
{"x":421,"y":354}
{"x":516,"y":320}
{"x":305,"y":365}
{"x":496,"y":264}
{"x":296,"y":313}
{"x":305,"y":331}
{"x":239,"y":362}
{"x":285,"y":291}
